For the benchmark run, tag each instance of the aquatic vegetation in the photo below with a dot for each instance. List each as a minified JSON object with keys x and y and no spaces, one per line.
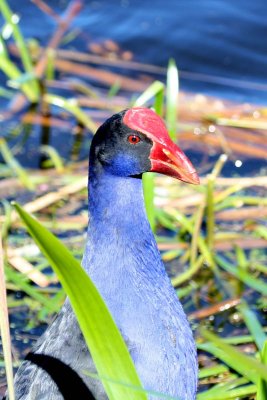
{"x":213,"y":237}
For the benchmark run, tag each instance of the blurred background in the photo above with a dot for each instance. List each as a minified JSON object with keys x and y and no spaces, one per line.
{"x":66,"y":66}
{"x":219,"y":45}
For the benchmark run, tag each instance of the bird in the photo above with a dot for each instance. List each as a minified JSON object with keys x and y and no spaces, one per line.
{"x":122,"y":259}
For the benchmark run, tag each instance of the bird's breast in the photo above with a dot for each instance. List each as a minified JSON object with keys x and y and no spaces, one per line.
{"x":138,"y":293}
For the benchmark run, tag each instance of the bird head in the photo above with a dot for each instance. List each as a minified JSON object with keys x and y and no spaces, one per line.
{"x":135,"y":141}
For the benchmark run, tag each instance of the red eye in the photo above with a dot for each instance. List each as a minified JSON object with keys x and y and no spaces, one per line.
{"x":133,"y":139}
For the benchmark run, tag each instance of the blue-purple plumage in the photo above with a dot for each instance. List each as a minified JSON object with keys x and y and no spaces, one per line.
{"x":134,"y":284}
{"x":123,"y":261}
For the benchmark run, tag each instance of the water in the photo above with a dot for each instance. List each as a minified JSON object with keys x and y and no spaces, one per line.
{"x":208,"y":38}
{"x":219,"y":46}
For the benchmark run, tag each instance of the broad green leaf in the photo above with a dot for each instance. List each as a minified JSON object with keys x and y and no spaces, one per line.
{"x":103,"y":338}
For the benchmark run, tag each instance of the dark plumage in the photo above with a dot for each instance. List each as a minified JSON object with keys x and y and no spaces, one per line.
{"x":123,"y":261}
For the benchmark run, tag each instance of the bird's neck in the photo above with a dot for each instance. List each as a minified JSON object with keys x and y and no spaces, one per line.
{"x":116,"y":205}
{"x":120,"y":243}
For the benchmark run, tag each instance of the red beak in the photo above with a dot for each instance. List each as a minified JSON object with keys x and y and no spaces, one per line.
{"x":166,"y":157}
{"x":169,"y":159}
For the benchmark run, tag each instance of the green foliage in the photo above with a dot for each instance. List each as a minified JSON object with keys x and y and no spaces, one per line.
{"x":103,"y":338}
{"x":243,"y":276}
{"x":71,"y":106}
{"x":30,"y":88}
{"x":245,"y":365}
{"x":15,"y":165}
{"x":151,"y":92}
{"x":172,"y":92}
{"x":253,"y":325}
{"x":22,"y":284}
{"x":154,"y":91}
{"x":262,"y":384}
{"x":148,"y":188}
{"x":4,"y":328}
{"x":207,"y":272}
{"x":219,"y":393}
{"x":54,"y":156}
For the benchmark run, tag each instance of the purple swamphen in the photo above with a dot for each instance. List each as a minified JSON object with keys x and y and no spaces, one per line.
{"x":122,"y":259}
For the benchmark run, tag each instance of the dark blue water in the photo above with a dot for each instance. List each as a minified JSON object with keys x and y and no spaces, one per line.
{"x":220,"y":46}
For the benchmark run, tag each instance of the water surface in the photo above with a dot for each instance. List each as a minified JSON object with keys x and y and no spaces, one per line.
{"x":214,"y":38}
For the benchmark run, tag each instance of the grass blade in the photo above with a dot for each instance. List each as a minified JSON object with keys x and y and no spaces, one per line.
{"x":189,"y":226}
{"x":115,"y":88}
{"x":15,"y":166}
{"x":17,"y":279}
{"x":54,"y":156}
{"x":253,"y":325}
{"x":244,"y":276}
{"x":106,"y":344}
{"x":172,"y":99}
{"x":4,"y":325}
{"x":210,"y":201}
{"x":50,"y":67}
{"x":25,"y":57}
{"x":155,"y":88}
{"x":185,"y":276}
{"x":243,"y":364}
{"x":159,"y":395}
{"x":148,"y":187}
{"x":212,"y":371}
{"x":262,"y":384}
{"x":159,"y":102}
{"x":13,"y":73}
{"x":71,"y":105}
{"x":238,"y":393}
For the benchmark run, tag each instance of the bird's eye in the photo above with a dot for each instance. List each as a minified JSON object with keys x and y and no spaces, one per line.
{"x":133,"y":139}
